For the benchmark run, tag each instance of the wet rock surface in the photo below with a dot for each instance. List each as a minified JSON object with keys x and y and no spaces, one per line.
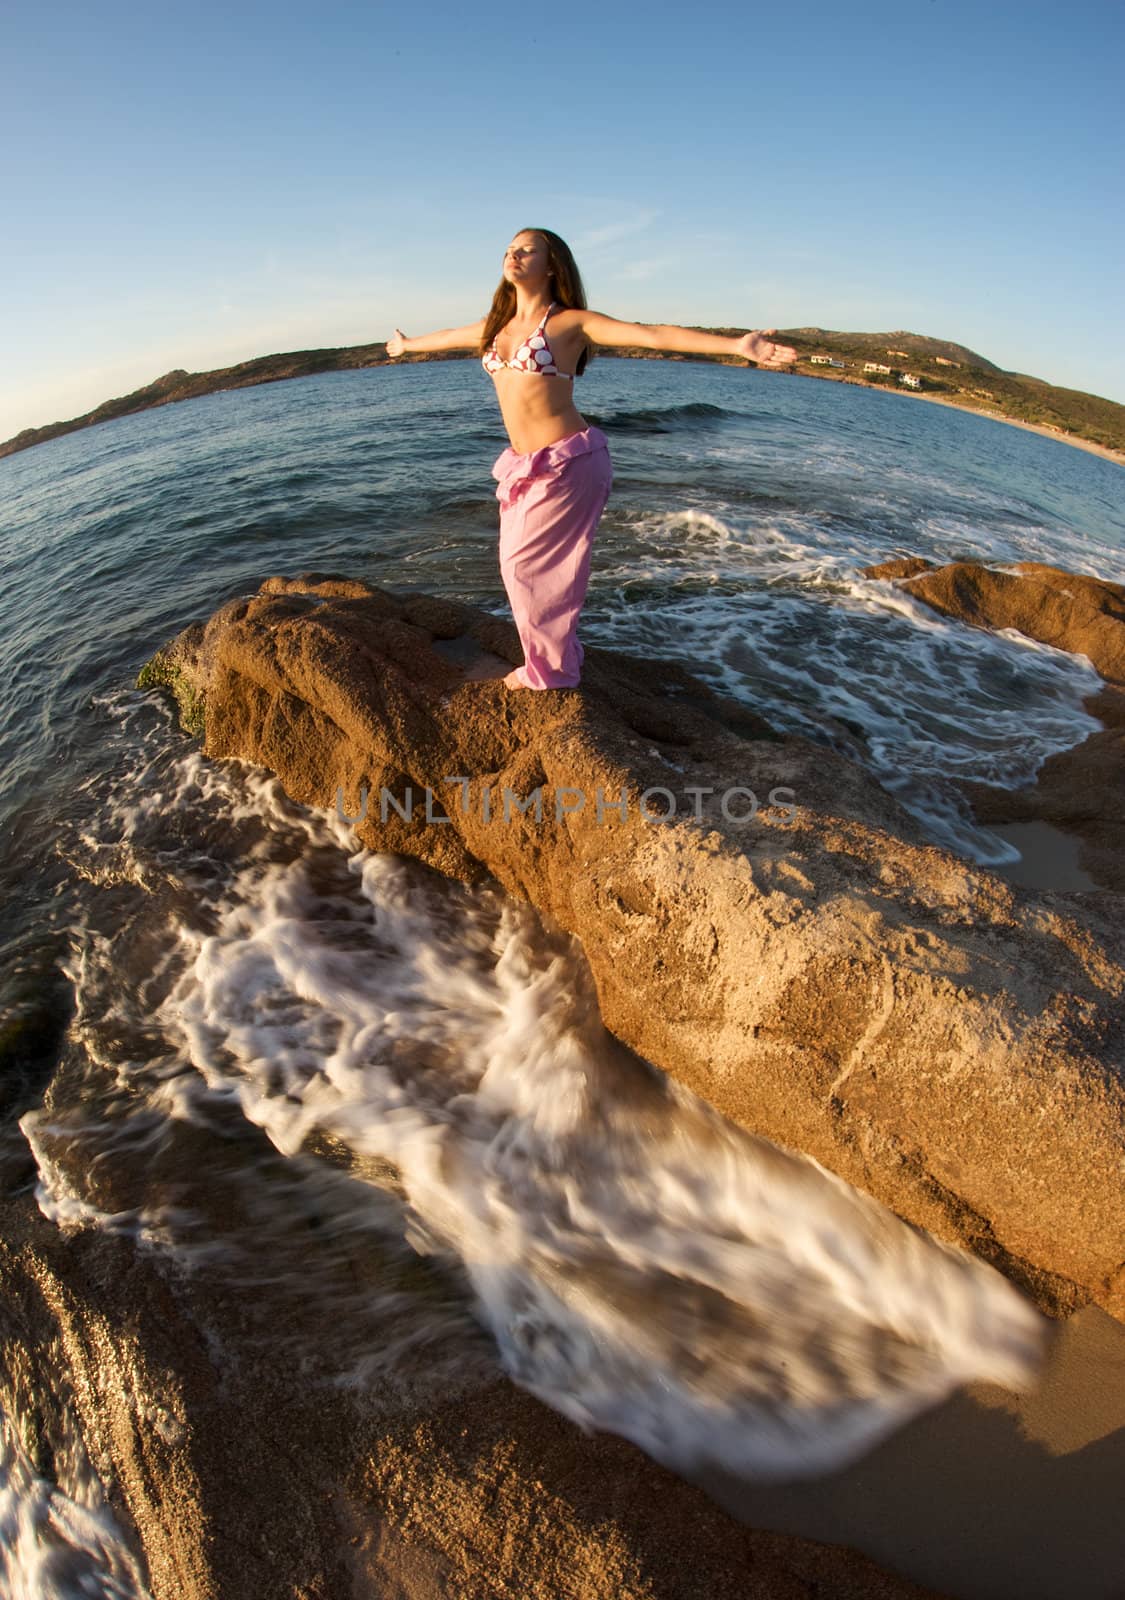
{"x":819,"y":972}
{"x":252,"y":1445}
{"x":1082,"y":790}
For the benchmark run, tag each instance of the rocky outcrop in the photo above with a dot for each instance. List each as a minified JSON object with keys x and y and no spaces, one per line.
{"x":1082,"y":790}
{"x":1066,"y":609}
{"x":788,"y":944}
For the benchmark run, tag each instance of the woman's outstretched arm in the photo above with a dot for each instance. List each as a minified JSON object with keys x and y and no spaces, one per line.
{"x":466,"y":338}
{"x":757,"y":346}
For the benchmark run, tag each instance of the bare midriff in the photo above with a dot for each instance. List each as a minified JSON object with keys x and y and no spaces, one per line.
{"x":540,"y":410}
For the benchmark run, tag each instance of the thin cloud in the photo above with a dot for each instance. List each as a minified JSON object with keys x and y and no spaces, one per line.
{"x":637,"y":271}
{"x":617,"y":230}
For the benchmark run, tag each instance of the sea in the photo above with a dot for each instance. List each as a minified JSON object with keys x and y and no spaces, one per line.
{"x":194,"y":945}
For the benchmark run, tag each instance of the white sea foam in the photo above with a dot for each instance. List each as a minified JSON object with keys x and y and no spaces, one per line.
{"x":59,"y":1541}
{"x":643,"y":1265}
{"x":778,"y":615}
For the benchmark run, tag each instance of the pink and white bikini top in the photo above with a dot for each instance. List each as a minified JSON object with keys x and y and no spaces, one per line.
{"x":533,"y":355}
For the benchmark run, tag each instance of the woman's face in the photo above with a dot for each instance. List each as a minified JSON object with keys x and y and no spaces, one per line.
{"x":525,"y":260}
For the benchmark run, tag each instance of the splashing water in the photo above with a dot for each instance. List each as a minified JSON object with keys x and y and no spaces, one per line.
{"x":58,"y":1544}
{"x":642,"y":1265}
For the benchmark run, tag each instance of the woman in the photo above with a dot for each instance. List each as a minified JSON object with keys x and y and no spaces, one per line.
{"x":555,"y":478}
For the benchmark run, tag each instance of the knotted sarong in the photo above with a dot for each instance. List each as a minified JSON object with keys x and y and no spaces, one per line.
{"x":551,"y":501}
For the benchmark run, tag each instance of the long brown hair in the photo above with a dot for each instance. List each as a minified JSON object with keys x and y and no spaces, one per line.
{"x":565,"y":286}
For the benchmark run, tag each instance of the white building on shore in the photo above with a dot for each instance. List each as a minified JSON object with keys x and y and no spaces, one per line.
{"x":910,"y":380}
{"x":875,"y":366}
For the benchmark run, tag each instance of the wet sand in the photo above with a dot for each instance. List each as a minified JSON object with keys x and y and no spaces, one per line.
{"x":991,"y":1495}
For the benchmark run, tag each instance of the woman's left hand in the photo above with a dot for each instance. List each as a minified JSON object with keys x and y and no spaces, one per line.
{"x":760,"y":348}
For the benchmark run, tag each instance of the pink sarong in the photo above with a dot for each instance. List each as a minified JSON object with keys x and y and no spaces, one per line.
{"x":551,"y":501}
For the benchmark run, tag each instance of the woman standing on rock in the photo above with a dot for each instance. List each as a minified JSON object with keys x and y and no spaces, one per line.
{"x":554,"y":479}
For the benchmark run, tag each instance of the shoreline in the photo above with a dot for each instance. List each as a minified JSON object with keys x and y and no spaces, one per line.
{"x":1047,"y":432}
{"x":1014,"y":422}
{"x":182,"y":385}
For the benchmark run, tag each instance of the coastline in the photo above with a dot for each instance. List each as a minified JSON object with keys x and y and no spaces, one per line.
{"x":182,"y":385}
{"x":1014,"y":422}
{"x":976,"y":411}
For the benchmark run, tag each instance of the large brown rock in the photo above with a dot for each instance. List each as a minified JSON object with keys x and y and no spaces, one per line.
{"x":823,"y":975}
{"x":1066,"y":609}
{"x":1081,"y":790}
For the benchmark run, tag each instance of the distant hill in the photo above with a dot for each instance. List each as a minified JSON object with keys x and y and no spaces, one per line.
{"x":181,"y":385}
{"x":875,"y":345}
{"x":941,"y":367}
{"x":957,"y":373}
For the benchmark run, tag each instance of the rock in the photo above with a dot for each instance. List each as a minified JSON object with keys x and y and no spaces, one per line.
{"x":1081,"y":790}
{"x":1065,"y":609}
{"x":904,"y":567}
{"x":822,"y":975}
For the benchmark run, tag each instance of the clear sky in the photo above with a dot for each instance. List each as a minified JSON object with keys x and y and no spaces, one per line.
{"x":191,"y":186}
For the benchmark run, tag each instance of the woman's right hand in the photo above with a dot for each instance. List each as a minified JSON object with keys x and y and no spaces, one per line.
{"x":396,"y":344}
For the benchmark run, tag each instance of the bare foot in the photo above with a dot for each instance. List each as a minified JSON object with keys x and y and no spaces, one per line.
{"x":513,"y":680}
{"x":485,"y":668}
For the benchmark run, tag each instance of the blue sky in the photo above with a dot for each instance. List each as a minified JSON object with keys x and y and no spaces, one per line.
{"x":193,"y":186}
